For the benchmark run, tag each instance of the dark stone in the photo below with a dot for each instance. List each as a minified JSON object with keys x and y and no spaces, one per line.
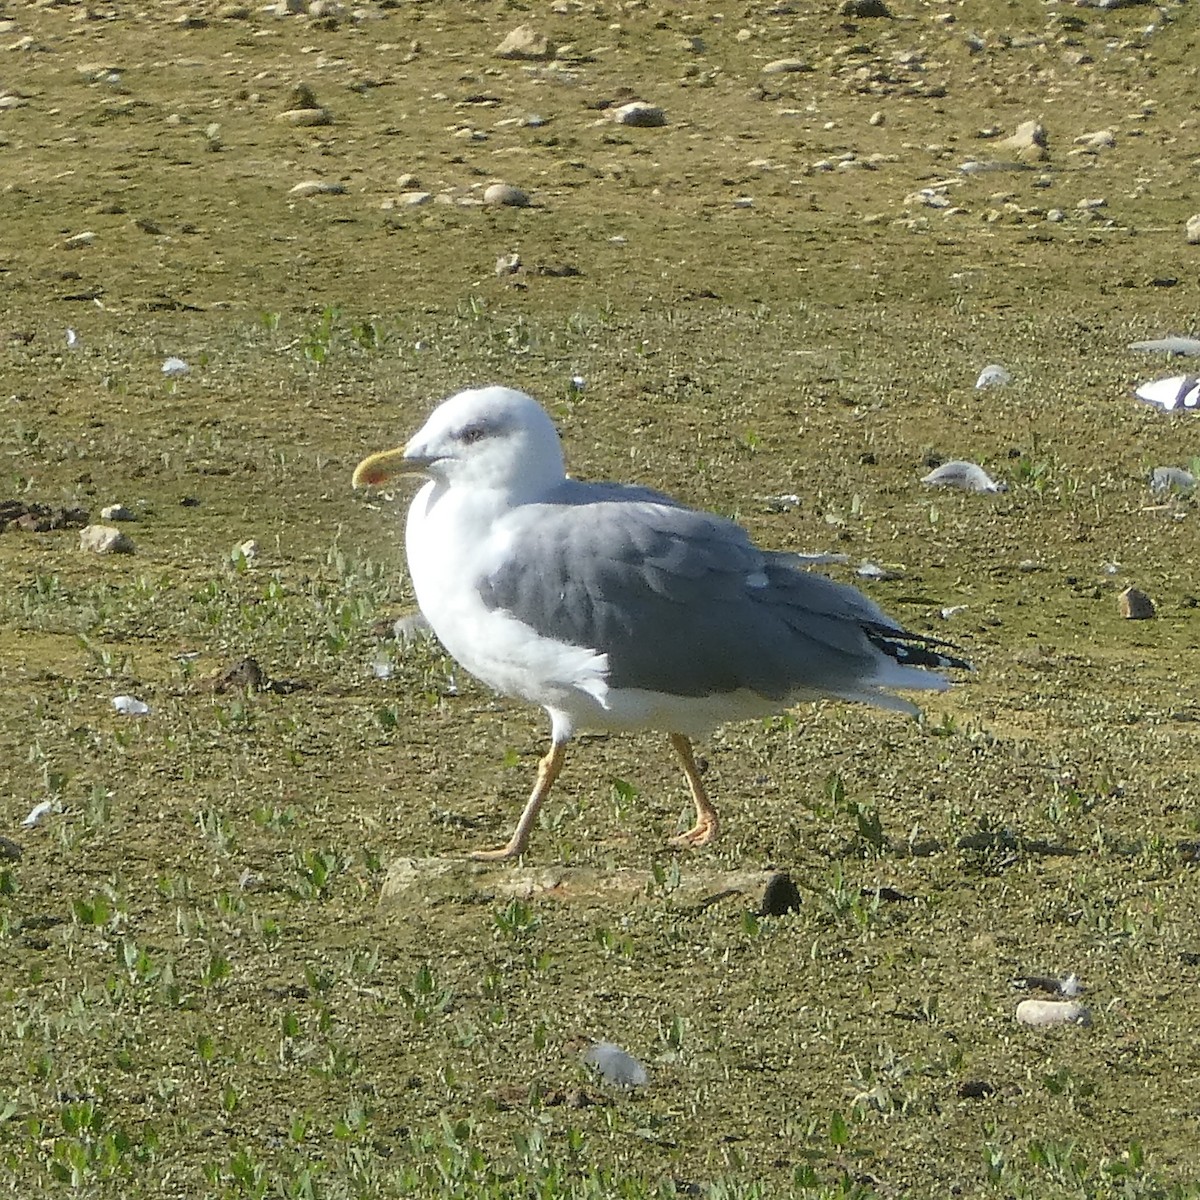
{"x":780,"y":896}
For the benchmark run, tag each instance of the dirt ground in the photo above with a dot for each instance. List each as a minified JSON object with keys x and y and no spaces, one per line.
{"x":774,"y":304}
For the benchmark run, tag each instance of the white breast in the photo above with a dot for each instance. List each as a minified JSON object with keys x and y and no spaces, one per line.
{"x":448,"y":535}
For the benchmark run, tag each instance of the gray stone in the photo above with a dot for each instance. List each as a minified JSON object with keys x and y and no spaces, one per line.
{"x":525,"y":43}
{"x":640,"y":114}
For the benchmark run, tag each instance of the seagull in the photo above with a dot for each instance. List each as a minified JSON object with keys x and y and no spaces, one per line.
{"x":617,"y":608}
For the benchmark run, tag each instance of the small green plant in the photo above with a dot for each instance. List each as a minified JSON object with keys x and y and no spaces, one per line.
{"x":516,"y":921}
{"x":315,"y":871}
{"x":425,"y":999}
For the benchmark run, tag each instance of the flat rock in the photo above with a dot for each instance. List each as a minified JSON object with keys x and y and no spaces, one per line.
{"x":305,"y":116}
{"x":968,"y":476}
{"x":316,"y":187}
{"x":639,"y":114}
{"x":1049,"y":1013}
{"x":1169,"y":345}
{"x":443,"y":880}
{"x":786,"y":66}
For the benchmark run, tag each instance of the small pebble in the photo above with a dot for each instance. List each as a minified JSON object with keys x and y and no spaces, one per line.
{"x":1171,"y":479}
{"x":1046,"y":1013}
{"x":993,"y":375}
{"x":780,"y":896}
{"x":505,"y":194}
{"x":36,"y":813}
{"x":508,"y":264}
{"x":1178,"y":391}
{"x":965,"y":475}
{"x":104,"y":539}
{"x":303,"y":117}
{"x":174,"y":367}
{"x":317,"y":187}
{"x":130,"y":706}
{"x":615,"y":1066}
{"x":78,"y":240}
{"x":1135,"y":605}
{"x":786,"y":66}
{"x":1069,"y":987}
{"x":116,"y":512}
{"x":870,"y":570}
{"x":1169,"y":345}
{"x":640,"y":114}
{"x":525,"y":44}
{"x":246,"y":550}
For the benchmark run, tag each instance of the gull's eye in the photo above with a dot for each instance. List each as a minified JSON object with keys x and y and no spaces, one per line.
{"x":470,"y":434}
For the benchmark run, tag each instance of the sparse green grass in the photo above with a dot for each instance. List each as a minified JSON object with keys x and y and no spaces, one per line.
{"x":203,"y":995}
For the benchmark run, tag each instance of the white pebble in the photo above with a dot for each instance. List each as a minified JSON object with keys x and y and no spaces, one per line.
{"x":1171,"y":479}
{"x":787,"y":66}
{"x":615,"y":1066}
{"x":116,"y":512}
{"x":870,"y":570}
{"x":507,"y":195}
{"x":1178,"y":391}
{"x":130,"y":706}
{"x":36,"y":813}
{"x":72,"y":340}
{"x":174,"y":367}
{"x":316,"y":187}
{"x":1045,"y":1013}
{"x":993,"y":375}
{"x":965,"y":475}
{"x":640,"y":114}
{"x":1071,"y":987}
{"x":1169,"y":345}
{"x":508,"y":264}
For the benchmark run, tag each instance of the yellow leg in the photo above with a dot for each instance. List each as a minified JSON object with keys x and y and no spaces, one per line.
{"x":548,"y":770}
{"x":707,"y":825}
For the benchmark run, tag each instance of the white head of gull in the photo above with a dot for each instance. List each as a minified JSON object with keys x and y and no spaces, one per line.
{"x":615,"y":607}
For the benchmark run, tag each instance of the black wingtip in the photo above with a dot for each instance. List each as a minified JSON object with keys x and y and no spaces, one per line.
{"x":917,"y":649}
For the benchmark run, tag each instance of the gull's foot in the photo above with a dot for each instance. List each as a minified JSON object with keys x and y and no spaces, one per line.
{"x":703,"y":832}
{"x":499,"y":854}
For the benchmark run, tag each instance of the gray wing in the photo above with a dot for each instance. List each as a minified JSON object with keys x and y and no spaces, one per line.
{"x":683,"y":602}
